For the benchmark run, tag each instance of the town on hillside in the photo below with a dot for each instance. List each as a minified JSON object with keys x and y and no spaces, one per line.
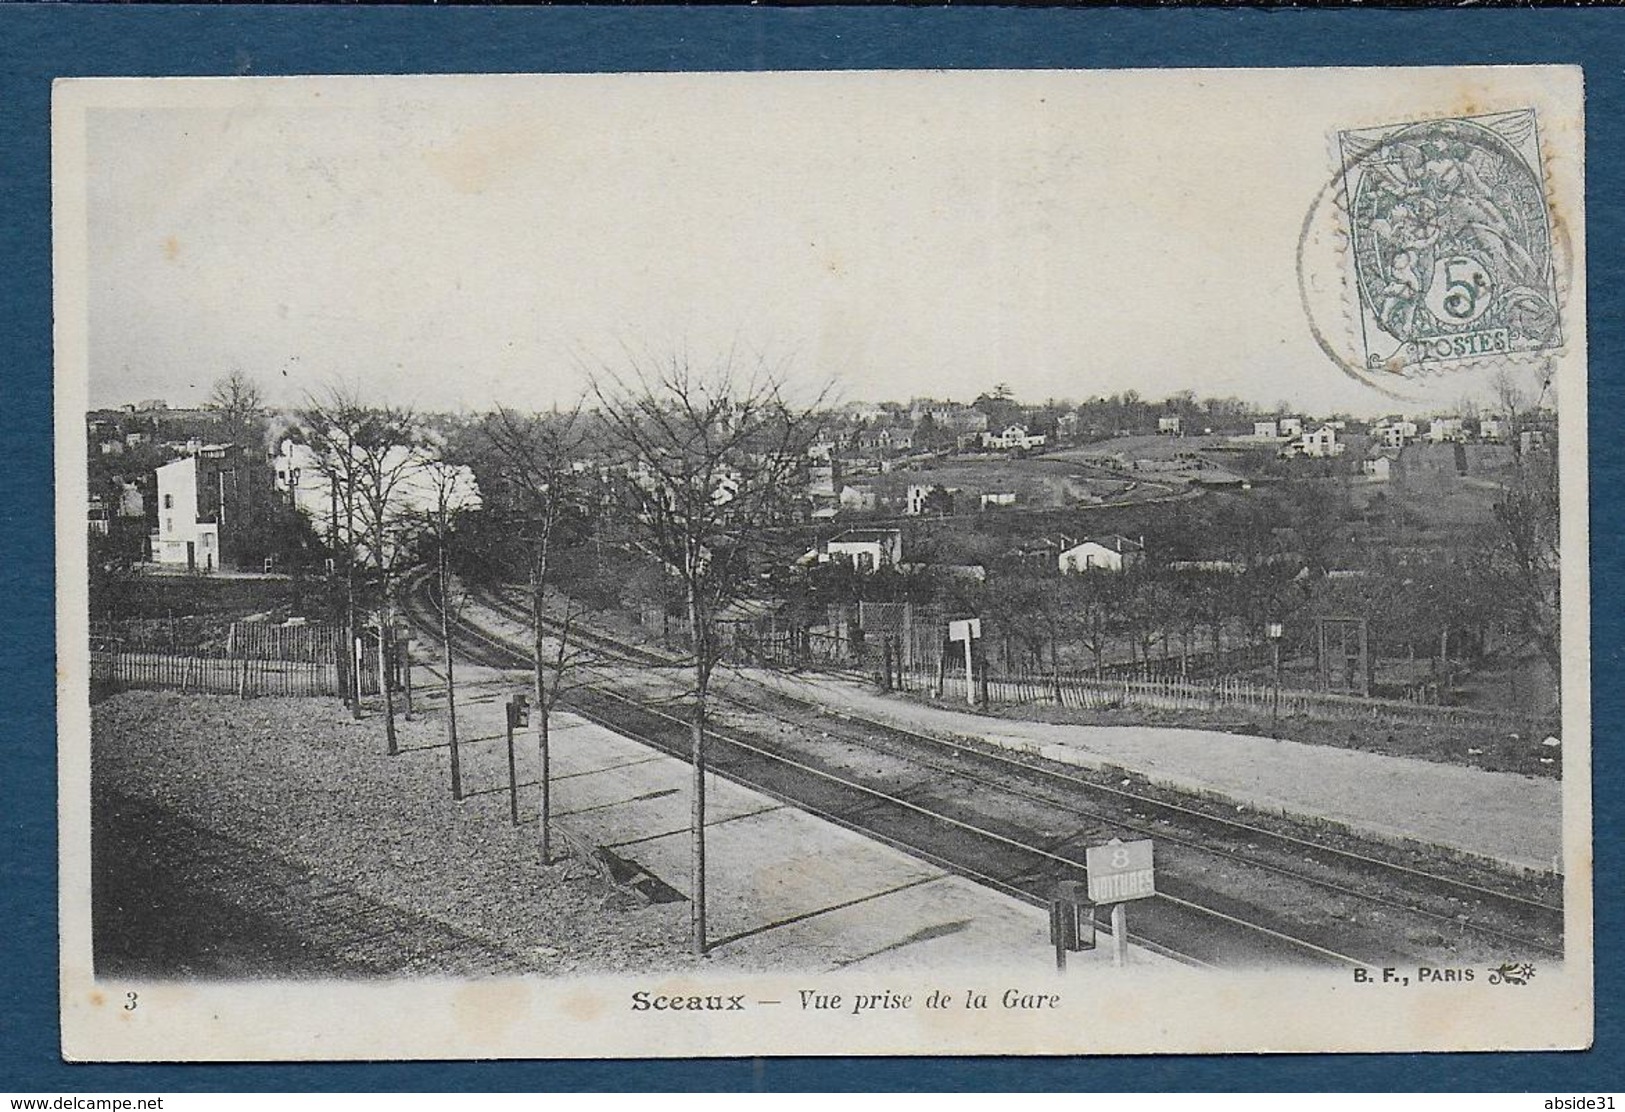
{"x":1217,"y":521}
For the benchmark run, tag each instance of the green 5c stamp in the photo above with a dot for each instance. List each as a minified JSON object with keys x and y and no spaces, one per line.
{"x":1451,"y":241}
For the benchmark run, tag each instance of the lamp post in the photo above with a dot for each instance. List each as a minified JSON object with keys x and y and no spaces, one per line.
{"x":1274,"y":631}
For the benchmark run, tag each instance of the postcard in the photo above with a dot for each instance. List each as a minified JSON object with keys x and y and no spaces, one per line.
{"x":822,"y":563}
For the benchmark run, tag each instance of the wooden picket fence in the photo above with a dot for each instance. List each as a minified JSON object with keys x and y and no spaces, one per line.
{"x":1170,"y":693}
{"x":253,"y":659}
{"x":945,"y":679}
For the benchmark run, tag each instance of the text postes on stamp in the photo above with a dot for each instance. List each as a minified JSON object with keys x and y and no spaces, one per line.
{"x":1451,"y":241}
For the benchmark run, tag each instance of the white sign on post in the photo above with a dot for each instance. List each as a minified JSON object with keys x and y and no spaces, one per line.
{"x":967,"y":630}
{"x":1120,"y":871}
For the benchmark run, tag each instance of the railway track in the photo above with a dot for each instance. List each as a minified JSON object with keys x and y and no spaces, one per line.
{"x":1011,"y":823}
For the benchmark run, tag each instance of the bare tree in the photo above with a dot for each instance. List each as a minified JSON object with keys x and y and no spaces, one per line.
{"x":1090,"y":604}
{"x":714,"y":459}
{"x":1035,"y":613}
{"x":538,"y":454}
{"x":326,"y":427}
{"x":239,"y":405}
{"x":390,"y":448}
{"x":366,"y":454}
{"x":451,"y":494}
{"x":1528,"y":514}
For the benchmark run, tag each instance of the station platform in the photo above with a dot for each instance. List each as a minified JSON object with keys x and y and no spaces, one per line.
{"x":1505,"y":818}
{"x":789,"y":890}
{"x":786,"y":890}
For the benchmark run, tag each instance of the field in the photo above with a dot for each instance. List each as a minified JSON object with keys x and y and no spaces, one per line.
{"x":1037,"y":481}
{"x":1141,"y":447}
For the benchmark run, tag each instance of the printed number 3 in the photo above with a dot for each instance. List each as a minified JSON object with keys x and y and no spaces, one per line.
{"x":1119,"y":858}
{"x":129,"y":1001}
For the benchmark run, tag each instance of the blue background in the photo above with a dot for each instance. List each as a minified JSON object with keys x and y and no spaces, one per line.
{"x":40,"y":43}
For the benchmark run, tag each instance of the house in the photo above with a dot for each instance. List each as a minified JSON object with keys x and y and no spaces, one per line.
{"x":859,"y":499}
{"x":1013,"y":437}
{"x":897,"y":439}
{"x":925,"y":499}
{"x":866,"y":440}
{"x":959,"y":418}
{"x":131,"y":501}
{"x":1290,"y":426}
{"x":1441,"y":429}
{"x":866,"y":550}
{"x":97,"y":515}
{"x":1266,"y":430}
{"x":1322,"y":443}
{"x":1492,"y":429}
{"x":1394,"y":432}
{"x":1111,"y":552}
{"x":888,"y":438}
{"x":1168,"y":426}
{"x":1379,"y":466}
{"x":1041,"y":555}
{"x":995,"y":499}
{"x":1066,"y":426}
{"x":200,"y":500}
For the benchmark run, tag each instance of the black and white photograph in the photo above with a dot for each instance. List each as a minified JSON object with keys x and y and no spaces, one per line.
{"x":647,"y":565}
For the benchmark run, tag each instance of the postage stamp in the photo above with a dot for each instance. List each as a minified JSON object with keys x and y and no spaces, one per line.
{"x":1451,"y":240}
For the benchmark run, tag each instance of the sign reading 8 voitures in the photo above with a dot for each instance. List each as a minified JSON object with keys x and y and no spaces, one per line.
{"x":1120,"y":871}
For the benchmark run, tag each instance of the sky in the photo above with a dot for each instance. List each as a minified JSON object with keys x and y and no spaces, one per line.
{"x":455,"y":242}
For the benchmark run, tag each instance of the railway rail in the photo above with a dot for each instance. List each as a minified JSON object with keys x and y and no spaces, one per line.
{"x":976,"y":811}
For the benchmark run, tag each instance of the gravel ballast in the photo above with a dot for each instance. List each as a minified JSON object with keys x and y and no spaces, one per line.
{"x":294,"y":797}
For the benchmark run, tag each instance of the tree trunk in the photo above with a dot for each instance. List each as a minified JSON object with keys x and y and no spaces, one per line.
{"x":385,"y":629}
{"x":540,"y":648}
{"x":697,"y":818}
{"x":451,"y":679}
{"x":352,"y":638}
{"x":542,"y":741}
